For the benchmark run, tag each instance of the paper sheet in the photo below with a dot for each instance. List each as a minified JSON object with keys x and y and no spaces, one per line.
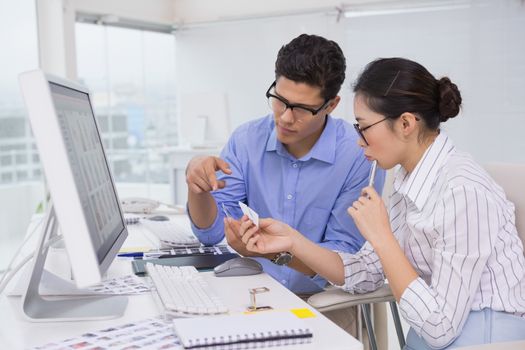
{"x":53,"y":285}
{"x":152,"y":333}
{"x":125,"y":285}
{"x":250,"y":213}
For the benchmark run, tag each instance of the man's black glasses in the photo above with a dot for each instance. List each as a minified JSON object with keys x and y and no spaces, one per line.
{"x":279,"y":105}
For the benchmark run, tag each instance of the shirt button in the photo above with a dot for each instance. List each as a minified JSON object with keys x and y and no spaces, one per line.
{"x":289,"y":196}
{"x":283,"y":281}
{"x":294,"y":165}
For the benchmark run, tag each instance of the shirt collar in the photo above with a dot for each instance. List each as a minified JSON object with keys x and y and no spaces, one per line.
{"x":271,"y":144}
{"x":417,"y":185}
{"x":324,"y":149}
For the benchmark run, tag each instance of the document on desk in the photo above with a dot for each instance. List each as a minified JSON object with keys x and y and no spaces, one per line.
{"x":243,"y":331}
{"x":124,"y":285}
{"x":152,"y":333}
{"x":51,"y":285}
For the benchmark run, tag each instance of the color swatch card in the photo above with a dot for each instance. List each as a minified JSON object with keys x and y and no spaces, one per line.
{"x":151,"y":334}
{"x":250,"y":213}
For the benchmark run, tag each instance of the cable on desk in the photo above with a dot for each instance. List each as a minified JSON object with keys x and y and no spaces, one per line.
{"x":6,"y":277}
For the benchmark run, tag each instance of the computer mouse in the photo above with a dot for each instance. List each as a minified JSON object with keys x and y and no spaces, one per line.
{"x":158,"y":218}
{"x":240,"y":266}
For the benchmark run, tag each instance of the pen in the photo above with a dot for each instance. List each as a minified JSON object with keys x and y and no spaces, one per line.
{"x":131,"y":255}
{"x":372,"y":173}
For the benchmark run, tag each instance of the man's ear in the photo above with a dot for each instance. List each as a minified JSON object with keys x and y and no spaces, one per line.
{"x":332,"y":104}
{"x":408,"y":123}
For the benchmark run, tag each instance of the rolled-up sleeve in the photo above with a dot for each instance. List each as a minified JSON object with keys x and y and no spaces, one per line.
{"x":213,"y":234}
{"x":363,"y":270}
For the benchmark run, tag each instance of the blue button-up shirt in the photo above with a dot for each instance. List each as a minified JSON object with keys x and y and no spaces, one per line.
{"x":311,"y":194}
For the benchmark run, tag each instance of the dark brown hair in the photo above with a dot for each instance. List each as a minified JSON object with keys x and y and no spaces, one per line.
{"x":393,"y":86}
{"x":313,"y":60}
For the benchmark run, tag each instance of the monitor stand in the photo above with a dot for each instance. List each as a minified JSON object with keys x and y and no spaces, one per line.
{"x":39,"y":309}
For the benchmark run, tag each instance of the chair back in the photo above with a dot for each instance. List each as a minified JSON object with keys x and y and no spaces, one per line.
{"x":511,"y":177}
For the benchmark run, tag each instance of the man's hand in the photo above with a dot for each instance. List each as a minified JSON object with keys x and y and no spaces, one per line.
{"x":231,"y":231}
{"x":201,"y":180}
{"x":200,"y":174}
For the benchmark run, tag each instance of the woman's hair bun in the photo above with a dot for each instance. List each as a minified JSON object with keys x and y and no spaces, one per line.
{"x":449,"y":99}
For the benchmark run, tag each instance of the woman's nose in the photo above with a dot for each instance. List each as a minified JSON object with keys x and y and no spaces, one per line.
{"x":361,"y":143}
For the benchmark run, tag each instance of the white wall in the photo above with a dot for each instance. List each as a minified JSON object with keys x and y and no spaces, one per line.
{"x":238,"y":58}
{"x":481,"y":48}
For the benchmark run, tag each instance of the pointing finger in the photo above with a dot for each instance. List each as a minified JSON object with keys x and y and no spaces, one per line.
{"x":222,"y":166}
{"x":212,"y":178}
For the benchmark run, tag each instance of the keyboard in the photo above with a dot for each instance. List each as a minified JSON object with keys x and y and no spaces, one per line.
{"x":171,"y":234}
{"x":183,"y":292}
{"x":220,"y":249}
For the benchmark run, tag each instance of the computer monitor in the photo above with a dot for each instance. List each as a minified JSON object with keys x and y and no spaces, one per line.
{"x":84,"y":201}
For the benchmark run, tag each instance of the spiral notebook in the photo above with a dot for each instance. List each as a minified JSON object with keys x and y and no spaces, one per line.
{"x":258,"y":330}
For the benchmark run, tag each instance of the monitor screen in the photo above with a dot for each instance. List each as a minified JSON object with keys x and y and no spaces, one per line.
{"x":88,"y":163}
{"x":84,"y":205}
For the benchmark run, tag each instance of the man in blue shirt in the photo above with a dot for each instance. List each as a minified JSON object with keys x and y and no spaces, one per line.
{"x":298,"y":165}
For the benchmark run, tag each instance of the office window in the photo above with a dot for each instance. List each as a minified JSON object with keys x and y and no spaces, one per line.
{"x":21,"y":159}
{"x":131,"y":74}
{"x":6,"y":160}
{"x":6,"y":177}
{"x":21,"y":187}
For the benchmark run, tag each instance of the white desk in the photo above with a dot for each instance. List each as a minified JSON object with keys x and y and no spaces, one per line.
{"x":17,"y":333}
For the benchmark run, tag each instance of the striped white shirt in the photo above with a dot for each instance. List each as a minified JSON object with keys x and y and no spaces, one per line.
{"x":457,"y":229}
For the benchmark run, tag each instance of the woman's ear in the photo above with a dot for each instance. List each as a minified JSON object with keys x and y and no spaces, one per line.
{"x":408,"y":123}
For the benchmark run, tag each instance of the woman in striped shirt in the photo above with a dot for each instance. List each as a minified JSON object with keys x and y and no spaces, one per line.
{"x":448,"y":244}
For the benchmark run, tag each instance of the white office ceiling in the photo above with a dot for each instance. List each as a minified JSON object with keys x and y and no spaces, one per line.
{"x":194,"y":12}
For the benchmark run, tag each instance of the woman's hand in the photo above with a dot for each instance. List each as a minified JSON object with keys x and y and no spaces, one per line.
{"x":370,"y":216}
{"x":272,"y":236}
{"x":233,"y":237}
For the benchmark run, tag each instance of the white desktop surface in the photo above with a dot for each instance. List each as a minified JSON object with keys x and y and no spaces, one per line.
{"x":18,"y":333}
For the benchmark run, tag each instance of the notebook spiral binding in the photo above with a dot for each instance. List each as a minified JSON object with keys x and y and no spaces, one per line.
{"x":253,"y":340}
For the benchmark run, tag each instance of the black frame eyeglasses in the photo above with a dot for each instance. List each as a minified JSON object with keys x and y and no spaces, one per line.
{"x":299,"y":111}
{"x":361,"y":131}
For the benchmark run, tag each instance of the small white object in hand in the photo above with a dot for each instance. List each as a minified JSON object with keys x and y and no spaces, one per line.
{"x":250,"y":213}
